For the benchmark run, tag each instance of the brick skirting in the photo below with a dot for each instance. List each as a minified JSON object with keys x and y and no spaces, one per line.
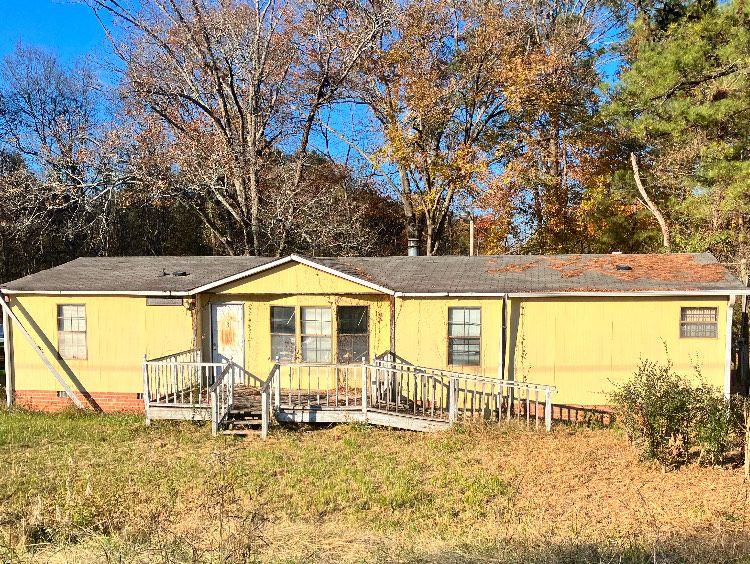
{"x":46,"y":400}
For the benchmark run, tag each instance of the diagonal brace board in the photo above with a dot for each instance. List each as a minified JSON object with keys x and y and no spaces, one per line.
{"x":40,"y":352}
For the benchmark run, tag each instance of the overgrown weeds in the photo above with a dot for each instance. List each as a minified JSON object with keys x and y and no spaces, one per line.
{"x":107,"y":488}
{"x":671,"y":418}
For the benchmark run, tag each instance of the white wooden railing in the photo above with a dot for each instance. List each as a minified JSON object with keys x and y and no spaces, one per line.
{"x":404,"y":389}
{"x":221,"y":394}
{"x":178,"y":383}
{"x":457,"y":396}
{"x":384,"y":386}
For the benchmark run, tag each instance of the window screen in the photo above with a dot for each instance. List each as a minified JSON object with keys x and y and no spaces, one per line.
{"x":698,"y":322}
{"x":464,"y":335}
{"x":353,"y":339}
{"x":283,"y":330}
{"x":71,"y":331}
{"x":316,"y":334}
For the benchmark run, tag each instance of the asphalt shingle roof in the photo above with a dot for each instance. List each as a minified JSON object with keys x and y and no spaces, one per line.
{"x":441,"y":274}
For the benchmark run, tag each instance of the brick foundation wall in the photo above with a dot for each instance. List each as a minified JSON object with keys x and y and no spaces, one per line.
{"x":46,"y":400}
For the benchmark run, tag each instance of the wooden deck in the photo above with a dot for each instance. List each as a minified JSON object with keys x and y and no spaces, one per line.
{"x":382,"y":393}
{"x":335,"y":408}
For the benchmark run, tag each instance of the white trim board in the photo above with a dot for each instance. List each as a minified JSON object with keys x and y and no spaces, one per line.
{"x":292,"y":258}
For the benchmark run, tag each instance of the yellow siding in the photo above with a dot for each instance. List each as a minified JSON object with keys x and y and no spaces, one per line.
{"x":295,"y":285}
{"x":422,"y":332}
{"x":583,"y":345}
{"x":580,"y":345}
{"x":294,"y":278}
{"x":120,"y":330}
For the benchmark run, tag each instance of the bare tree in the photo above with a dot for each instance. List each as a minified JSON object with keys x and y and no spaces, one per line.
{"x":236,"y":84}
{"x":48,"y":117}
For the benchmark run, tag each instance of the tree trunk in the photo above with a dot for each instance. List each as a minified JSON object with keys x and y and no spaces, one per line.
{"x":650,"y":205}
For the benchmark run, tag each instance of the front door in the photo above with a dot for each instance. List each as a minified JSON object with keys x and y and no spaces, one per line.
{"x":227,"y":333}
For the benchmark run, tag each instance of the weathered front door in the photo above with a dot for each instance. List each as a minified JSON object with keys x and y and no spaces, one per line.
{"x":227,"y":333}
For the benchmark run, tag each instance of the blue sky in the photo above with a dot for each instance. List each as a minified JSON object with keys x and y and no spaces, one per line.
{"x":68,"y":28}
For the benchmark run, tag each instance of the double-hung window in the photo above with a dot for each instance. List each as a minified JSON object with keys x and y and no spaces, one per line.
{"x":464,"y":336}
{"x":698,"y":322}
{"x":71,"y":331}
{"x":353,"y":338}
{"x":316,"y":334}
{"x":283,"y":333}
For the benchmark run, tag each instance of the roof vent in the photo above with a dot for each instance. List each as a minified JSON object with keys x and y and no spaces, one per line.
{"x":179,"y":273}
{"x":623,"y":267}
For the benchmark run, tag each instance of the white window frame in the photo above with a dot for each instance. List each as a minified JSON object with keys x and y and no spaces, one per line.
{"x":317,"y":336}
{"x":68,"y":334}
{"x":478,"y":337}
{"x":687,"y":323}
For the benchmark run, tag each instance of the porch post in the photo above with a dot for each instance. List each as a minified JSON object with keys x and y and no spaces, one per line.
{"x":8,"y":350}
{"x":146,"y":391}
{"x":365,"y":385}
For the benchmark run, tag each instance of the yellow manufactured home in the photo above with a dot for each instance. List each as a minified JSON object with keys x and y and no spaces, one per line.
{"x":431,"y":337}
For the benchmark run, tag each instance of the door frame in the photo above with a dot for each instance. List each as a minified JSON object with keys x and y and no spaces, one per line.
{"x":211,"y":324}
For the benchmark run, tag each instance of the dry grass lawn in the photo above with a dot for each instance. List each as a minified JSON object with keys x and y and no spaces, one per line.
{"x":86,"y":488}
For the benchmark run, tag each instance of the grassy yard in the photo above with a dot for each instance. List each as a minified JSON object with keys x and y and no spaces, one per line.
{"x":81,"y":488}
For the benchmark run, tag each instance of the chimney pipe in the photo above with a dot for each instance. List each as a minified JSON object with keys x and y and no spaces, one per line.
{"x":413,"y":247}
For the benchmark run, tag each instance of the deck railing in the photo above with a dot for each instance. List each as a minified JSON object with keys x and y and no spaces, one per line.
{"x":320,"y":385}
{"x":403,"y":389}
{"x":178,"y":381}
{"x":457,"y":396}
{"x":221,"y":393}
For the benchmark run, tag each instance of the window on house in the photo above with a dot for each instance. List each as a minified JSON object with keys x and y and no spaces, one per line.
{"x":283,"y":330}
{"x":698,"y":322}
{"x":71,"y":331}
{"x":316,"y":334}
{"x":464,"y":335}
{"x":353,"y":339}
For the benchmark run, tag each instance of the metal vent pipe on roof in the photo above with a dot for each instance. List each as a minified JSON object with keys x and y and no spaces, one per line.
{"x":413,"y":247}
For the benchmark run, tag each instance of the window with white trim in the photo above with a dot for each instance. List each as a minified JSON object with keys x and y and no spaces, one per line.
{"x":71,"y":331}
{"x":352,"y":334}
{"x":464,"y":336}
{"x":700,"y":322}
{"x":283,"y":333}
{"x":316,"y":334}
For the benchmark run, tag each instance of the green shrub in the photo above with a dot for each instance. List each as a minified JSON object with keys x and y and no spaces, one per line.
{"x":716,"y":424}
{"x":670,"y":418}
{"x":654,"y":407}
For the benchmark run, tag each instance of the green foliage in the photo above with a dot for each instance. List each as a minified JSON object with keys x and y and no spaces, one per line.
{"x":670,"y":418}
{"x":683,"y":104}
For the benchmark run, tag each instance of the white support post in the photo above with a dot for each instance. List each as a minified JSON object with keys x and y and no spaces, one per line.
{"x":548,"y":409}
{"x":214,"y":411}
{"x":146,"y":391}
{"x":365,"y":392}
{"x":8,"y":349}
{"x":277,"y":385}
{"x":453,"y":405}
{"x":264,"y":413}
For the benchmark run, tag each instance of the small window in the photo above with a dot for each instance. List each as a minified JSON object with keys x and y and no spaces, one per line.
{"x":353,"y":338}
{"x":71,"y":331}
{"x":464,"y":335}
{"x":316,"y":334}
{"x":698,"y":322}
{"x":62,"y":394}
{"x":283,"y":329}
